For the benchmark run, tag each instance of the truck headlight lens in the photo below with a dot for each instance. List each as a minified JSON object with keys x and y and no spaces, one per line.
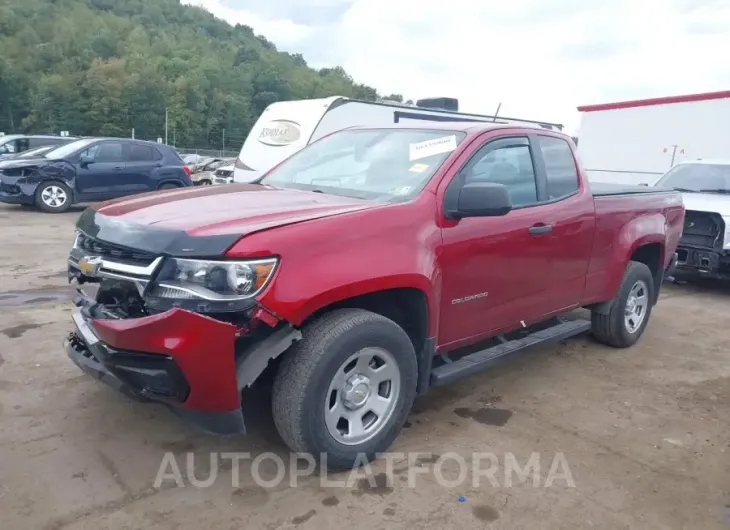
{"x":212,"y":280}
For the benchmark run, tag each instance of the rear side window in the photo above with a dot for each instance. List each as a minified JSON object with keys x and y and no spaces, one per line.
{"x":562,"y":174}
{"x":143,"y":153}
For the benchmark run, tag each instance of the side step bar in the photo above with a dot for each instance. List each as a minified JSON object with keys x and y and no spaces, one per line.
{"x":481,"y":360}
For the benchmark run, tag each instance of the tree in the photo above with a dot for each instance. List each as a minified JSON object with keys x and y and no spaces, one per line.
{"x":103,"y":67}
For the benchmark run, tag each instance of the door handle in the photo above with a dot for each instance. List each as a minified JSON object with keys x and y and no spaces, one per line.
{"x":118,"y":168}
{"x":538,"y":229}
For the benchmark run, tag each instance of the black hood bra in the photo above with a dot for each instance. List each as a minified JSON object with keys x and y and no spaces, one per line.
{"x":152,"y":239}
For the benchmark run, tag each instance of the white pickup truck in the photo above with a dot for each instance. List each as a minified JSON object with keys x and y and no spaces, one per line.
{"x":704,"y":249}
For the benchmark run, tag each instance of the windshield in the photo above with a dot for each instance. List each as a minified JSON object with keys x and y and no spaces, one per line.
{"x":65,"y":150}
{"x":698,"y":177}
{"x":37,"y":152}
{"x":382,"y":164}
{"x":7,"y":148}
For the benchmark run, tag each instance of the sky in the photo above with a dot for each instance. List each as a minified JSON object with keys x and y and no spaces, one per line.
{"x":539,"y":58}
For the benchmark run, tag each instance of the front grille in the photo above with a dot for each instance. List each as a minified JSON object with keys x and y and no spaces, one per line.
{"x":114,"y":252}
{"x":702,"y":229}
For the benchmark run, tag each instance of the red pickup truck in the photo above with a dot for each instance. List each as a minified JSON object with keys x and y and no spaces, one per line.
{"x":365,"y":269}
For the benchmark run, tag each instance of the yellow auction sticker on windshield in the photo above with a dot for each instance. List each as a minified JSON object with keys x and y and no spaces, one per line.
{"x":437,"y":146}
{"x":418,"y":168}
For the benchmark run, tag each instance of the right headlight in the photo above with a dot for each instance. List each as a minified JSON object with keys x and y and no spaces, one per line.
{"x":212,"y":280}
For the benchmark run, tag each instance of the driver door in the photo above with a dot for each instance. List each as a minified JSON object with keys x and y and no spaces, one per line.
{"x":496,"y":270}
{"x":104,"y":176}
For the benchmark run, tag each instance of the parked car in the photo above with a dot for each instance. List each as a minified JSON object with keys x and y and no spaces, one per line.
{"x":205,"y":173}
{"x":704,"y":250}
{"x":224,"y":175}
{"x":31,"y":153}
{"x":191,"y":159}
{"x":362,"y":296}
{"x":92,"y":169}
{"x":14,"y":144}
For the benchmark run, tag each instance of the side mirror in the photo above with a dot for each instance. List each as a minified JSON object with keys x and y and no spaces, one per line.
{"x":483,"y":199}
{"x":85,"y":160}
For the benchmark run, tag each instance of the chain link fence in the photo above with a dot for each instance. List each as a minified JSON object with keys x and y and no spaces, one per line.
{"x":207,"y":152}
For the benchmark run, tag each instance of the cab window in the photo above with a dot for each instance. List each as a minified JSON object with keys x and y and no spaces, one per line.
{"x":509,"y":164}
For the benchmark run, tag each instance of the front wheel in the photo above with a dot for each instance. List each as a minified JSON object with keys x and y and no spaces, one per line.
{"x":630,"y":309}
{"x":53,"y":197}
{"x":343,"y":393}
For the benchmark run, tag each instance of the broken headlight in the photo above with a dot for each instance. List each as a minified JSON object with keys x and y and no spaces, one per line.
{"x":195,"y":279}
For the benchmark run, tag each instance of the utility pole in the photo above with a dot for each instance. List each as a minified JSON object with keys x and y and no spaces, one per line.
{"x":674,"y":154}
{"x":132,"y":133}
{"x":224,"y":141}
{"x":166,"y":126}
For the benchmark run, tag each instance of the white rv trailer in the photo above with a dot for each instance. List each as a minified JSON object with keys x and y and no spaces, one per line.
{"x":636,"y":142}
{"x":286,"y":127}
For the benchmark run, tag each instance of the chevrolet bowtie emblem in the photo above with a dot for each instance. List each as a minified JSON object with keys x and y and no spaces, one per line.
{"x":90,"y":265}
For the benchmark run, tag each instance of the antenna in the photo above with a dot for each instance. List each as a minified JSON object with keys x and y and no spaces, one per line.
{"x":494,"y":119}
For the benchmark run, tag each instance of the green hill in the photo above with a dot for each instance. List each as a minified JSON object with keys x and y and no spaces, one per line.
{"x":103,"y":67}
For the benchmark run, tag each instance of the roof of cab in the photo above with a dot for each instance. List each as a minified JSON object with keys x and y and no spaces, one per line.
{"x":470,"y":127}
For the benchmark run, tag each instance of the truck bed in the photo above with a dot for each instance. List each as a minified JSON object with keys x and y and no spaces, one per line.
{"x":602,"y":189}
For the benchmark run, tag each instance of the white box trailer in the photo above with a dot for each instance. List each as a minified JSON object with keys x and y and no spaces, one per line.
{"x":286,"y":127}
{"x":636,"y":142}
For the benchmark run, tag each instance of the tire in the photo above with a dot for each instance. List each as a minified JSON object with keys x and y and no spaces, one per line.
{"x":204,"y":182}
{"x":53,"y":197}
{"x":615,"y":328}
{"x":302,"y":393}
{"x":168,"y":186}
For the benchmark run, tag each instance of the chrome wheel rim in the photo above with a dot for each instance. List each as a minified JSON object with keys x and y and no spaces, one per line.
{"x":362,"y":396}
{"x":636,"y":306}
{"x":53,"y":196}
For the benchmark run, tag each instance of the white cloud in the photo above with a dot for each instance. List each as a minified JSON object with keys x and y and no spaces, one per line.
{"x":539,"y":58}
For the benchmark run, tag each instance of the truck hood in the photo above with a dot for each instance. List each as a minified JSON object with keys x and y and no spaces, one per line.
{"x":707,"y":202}
{"x":205,"y":221}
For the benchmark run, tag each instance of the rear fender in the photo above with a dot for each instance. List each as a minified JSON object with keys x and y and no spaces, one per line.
{"x":640,"y":231}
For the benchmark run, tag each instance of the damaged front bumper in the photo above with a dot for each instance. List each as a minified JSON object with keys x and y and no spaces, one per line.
{"x":180,"y":358}
{"x":703,"y":263}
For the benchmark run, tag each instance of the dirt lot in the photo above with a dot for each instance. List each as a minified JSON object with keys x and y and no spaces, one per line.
{"x":645,"y":432}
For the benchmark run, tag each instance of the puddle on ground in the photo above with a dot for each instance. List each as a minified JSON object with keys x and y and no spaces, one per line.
{"x":36,"y":296}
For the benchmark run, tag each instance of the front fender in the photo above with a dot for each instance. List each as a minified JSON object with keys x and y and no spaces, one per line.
{"x":329,"y":260}
{"x":60,"y":171}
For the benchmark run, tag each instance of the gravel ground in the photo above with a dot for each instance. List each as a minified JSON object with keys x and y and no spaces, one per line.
{"x":639,"y":438}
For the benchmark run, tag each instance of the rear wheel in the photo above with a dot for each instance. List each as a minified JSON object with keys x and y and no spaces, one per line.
{"x":53,"y":197}
{"x":630,"y":309}
{"x":344,"y":391}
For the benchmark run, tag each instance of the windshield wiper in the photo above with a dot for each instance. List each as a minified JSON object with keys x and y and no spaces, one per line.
{"x":716,"y":190}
